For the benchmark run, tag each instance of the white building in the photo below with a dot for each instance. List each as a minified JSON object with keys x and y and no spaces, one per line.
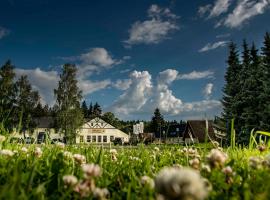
{"x":99,"y":131}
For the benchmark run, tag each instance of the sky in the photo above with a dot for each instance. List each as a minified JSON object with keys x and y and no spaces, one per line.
{"x":132,"y":56}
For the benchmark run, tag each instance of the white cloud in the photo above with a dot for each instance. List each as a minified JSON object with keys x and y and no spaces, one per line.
{"x":135,"y":97}
{"x":42,"y":81}
{"x":161,"y":22}
{"x":245,"y":10}
{"x":196,"y":75}
{"x":208,"y":89}
{"x":122,"y":84}
{"x":88,"y":86}
{"x":3,"y":32}
{"x":97,"y":56}
{"x":204,"y":9}
{"x":213,"y":46}
{"x":220,"y":6}
{"x":143,"y":97}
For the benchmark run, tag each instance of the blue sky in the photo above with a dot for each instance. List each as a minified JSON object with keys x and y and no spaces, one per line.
{"x":132,"y":56}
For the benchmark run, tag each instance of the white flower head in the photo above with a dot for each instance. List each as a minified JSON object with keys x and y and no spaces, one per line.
{"x":101,"y":193}
{"x":80,"y":159}
{"x":217,"y":158}
{"x":70,"y":180}
{"x":38,"y":152}
{"x":185,"y":183}
{"x":91,"y":170}
{"x":24,"y":150}
{"x":146,"y":180}
{"x":7,"y":152}
{"x":2,"y":138}
{"x":113,"y":151}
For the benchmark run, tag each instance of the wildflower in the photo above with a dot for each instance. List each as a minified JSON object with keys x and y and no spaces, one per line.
{"x":227,"y":170}
{"x":101,"y":193}
{"x":60,"y":145}
{"x":182,"y":183}
{"x":79,"y":158}
{"x":38,"y":152}
{"x":195,"y":163}
{"x":84,"y":188}
{"x":206,"y":168}
{"x":113,"y":151}
{"x":70,"y":180}
{"x":262,"y":148}
{"x":254,"y":162}
{"x":68,"y":155}
{"x":146,"y":180}
{"x":24,"y":150}
{"x":215,"y":144}
{"x":6,"y":152}
{"x":2,"y":138}
{"x":156,"y":149}
{"x":217,"y":158}
{"x":114,"y":158}
{"x":91,"y":170}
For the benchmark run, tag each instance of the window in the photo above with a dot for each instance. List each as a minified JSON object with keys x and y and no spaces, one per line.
{"x":104,"y":138}
{"x":101,"y":124}
{"x":81,"y":139}
{"x":99,"y":138}
{"x":92,"y":124}
{"x":94,"y":138}
{"x":88,"y":139}
{"x":111,"y":138}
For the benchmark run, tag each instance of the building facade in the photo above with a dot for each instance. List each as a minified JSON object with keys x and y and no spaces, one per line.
{"x":99,"y":131}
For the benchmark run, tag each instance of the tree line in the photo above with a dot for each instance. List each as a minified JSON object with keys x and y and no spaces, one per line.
{"x":246,"y":94}
{"x":20,"y":106}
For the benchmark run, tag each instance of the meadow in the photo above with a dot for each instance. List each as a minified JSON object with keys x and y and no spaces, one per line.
{"x":146,"y":172}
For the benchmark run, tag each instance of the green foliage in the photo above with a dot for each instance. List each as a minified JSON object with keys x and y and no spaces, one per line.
{"x":69,"y":116}
{"x":157,"y":122}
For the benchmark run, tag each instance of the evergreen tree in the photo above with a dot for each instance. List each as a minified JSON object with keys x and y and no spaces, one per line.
{"x":110,"y":118}
{"x":157,"y":122}
{"x":69,"y":116}
{"x":27,"y":101}
{"x":84,"y":109}
{"x":266,"y":82}
{"x":90,"y":111}
{"x":97,"y":111}
{"x":231,"y":88}
{"x":7,"y":94}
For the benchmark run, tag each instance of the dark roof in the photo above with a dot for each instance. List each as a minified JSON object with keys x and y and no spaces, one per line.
{"x":44,"y":122}
{"x":197,"y":128}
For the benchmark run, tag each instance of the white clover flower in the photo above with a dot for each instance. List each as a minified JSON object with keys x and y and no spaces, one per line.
{"x":60,"y":145}
{"x":217,"y":158}
{"x":156,"y":149}
{"x":7,"y":152}
{"x":91,"y":170}
{"x":114,"y":158}
{"x":227,"y":170}
{"x":84,"y":188}
{"x":146,"y":180}
{"x":195,"y":163}
{"x":79,"y":158}
{"x":206,"y":168}
{"x":24,"y":150}
{"x":70,"y":180}
{"x":185,"y":183}
{"x":68,"y":155}
{"x":2,"y":138}
{"x":255,"y":162}
{"x":101,"y":193}
{"x":113,"y":151}
{"x":38,"y":152}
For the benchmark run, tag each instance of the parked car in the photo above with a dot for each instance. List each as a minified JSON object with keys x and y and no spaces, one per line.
{"x":117,"y":141}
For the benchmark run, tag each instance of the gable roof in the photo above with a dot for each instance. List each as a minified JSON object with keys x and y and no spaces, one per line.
{"x":197,"y":128}
{"x":97,"y":123}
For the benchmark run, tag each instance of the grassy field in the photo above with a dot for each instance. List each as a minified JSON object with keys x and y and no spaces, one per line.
{"x":155,"y":172}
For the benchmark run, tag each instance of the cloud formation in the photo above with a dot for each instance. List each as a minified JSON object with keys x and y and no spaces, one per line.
{"x":160,"y":22}
{"x":220,"y":6}
{"x":196,"y":75}
{"x":212,"y":46}
{"x":144,"y":95}
{"x":3,"y":32}
{"x":208,"y":89}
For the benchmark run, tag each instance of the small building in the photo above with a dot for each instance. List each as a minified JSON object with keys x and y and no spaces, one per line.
{"x":195,"y":131}
{"x":99,"y":131}
{"x":174,"y":133}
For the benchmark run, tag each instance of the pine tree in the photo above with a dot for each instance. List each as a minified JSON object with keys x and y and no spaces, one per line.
{"x":97,"y":111}
{"x":266,"y":82}
{"x":69,"y":116}
{"x":90,"y":111}
{"x":7,"y":94}
{"x":27,"y":100}
{"x":231,"y":88}
{"x":84,"y":109}
{"x":157,"y":122}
